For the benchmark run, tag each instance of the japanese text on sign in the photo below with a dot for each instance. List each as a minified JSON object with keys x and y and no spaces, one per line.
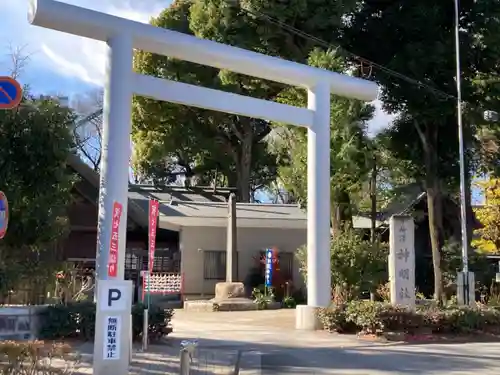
{"x":269,"y":267}
{"x":111,"y":338}
{"x":402,"y":261}
{"x":153,"y":215}
{"x":403,"y":255}
{"x":113,"y":243}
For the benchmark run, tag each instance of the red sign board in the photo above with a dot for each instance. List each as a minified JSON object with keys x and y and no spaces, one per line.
{"x":153,"y":216}
{"x":113,"y":243}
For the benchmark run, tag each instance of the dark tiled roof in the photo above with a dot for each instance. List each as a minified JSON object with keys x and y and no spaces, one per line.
{"x":139,"y":195}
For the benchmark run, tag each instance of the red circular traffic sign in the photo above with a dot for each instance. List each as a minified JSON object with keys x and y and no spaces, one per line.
{"x":4,"y":214}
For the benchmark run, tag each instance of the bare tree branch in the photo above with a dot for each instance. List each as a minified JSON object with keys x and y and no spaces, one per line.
{"x":88,"y":133}
{"x":19,"y":59}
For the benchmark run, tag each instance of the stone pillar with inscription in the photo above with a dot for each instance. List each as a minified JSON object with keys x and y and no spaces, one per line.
{"x":402,"y":260}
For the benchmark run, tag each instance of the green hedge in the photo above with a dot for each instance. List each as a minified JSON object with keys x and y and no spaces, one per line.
{"x":380,"y":317}
{"x":77,"y":321}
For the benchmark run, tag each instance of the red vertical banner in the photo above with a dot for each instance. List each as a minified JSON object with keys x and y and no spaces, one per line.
{"x":113,"y":243}
{"x":153,"y":216}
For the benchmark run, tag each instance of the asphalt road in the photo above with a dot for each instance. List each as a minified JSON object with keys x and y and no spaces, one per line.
{"x":270,"y":345}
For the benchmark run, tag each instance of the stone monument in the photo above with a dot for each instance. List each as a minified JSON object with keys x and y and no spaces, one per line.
{"x":402,"y":260}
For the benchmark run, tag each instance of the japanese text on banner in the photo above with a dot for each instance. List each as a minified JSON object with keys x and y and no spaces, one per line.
{"x":153,"y":215}
{"x":113,"y":243}
{"x":269,"y":267}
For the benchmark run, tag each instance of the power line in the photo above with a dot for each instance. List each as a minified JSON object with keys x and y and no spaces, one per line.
{"x":361,"y":59}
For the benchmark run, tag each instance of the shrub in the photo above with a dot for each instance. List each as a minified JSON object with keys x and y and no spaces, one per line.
{"x":355,"y":264}
{"x":263,"y":297}
{"x":334,"y":319}
{"x":380,"y":317}
{"x":461,"y":319}
{"x":77,"y":320}
{"x":35,"y":358}
{"x":366,"y":316}
{"x":289,"y":302}
{"x":158,"y":320}
{"x":74,"y":320}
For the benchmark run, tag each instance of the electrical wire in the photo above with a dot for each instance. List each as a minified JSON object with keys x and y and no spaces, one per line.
{"x":440,"y":93}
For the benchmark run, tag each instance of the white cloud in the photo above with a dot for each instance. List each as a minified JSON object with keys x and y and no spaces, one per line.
{"x":69,"y":55}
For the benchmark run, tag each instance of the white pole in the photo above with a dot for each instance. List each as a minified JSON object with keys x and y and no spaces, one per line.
{"x":114,"y":180}
{"x":463,"y":211}
{"x":115,"y":151}
{"x":318,"y":198}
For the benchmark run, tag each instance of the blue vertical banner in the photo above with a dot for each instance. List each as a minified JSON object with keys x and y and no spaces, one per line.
{"x":269,"y":267}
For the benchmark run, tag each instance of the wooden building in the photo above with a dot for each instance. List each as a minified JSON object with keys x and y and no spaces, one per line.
{"x":80,"y":246}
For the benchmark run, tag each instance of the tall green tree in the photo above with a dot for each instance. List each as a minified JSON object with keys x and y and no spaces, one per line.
{"x":416,"y":38}
{"x":348,"y":153}
{"x":34,"y":147}
{"x":172,"y":140}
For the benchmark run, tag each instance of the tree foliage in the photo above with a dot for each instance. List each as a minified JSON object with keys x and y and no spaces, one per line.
{"x":393,"y":34}
{"x":489,"y":217}
{"x":169,"y":138}
{"x":35,"y":145}
{"x":172,"y":139}
{"x":348,"y":153}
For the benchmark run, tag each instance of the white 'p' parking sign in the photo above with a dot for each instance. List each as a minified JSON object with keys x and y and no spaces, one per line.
{"x":113,"y":324}
{"x":113,"y":295}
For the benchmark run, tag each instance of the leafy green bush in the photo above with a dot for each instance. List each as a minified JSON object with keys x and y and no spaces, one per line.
{"x":380,"y":317}
{"x":74,"y":320}
{"x":158,"y":320}
{"x":461,"y":319}
{"x":77,"y":320}
{"x":289,"y":302}
{"x":355,"y":264}
{"x":366,"y":316}
{"x":263,"y":297}
{"x":334,"y":319}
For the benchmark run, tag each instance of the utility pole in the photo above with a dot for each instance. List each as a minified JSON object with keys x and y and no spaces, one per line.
{"x":465,"y":280}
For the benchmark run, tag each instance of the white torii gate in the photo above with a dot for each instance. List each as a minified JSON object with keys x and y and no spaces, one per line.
{"x":123,"y":36}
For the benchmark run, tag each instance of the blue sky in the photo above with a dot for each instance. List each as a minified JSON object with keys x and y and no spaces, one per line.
{"x":61,"y":63}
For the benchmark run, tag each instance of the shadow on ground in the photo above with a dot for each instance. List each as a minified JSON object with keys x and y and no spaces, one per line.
{"x":364,"y":359}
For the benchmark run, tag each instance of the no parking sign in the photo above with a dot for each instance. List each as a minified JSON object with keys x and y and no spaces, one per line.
{"x":4,"y":214}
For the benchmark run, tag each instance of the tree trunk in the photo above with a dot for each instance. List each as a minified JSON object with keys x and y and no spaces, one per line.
{"x":341,"y":211}
{"x":434,"y":207}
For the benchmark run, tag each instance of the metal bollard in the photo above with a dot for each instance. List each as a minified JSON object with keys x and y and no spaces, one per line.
{"x":145,"y":330}
{"x":186,"y":356}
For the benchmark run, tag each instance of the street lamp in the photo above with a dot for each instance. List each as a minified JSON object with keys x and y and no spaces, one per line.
{"x":465,"y":279}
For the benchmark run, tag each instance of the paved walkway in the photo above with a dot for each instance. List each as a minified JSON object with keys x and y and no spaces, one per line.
{"x":268,"y":344}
